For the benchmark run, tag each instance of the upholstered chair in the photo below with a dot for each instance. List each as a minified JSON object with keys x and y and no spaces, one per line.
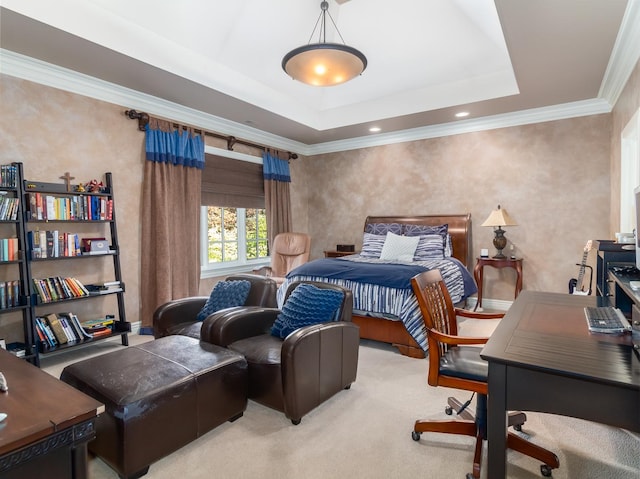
{"x":180,"y":316}
{"x":288,"y":251}
{"x":297,"y":372}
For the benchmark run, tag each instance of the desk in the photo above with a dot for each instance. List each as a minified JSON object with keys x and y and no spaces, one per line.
{"x":48,"y":426}
{"x":478,"y":273}
{"x":543,"y":358}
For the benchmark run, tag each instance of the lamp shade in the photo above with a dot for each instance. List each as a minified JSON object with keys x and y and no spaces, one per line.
{"x":499,"y":217}
{"x":324,"y":64}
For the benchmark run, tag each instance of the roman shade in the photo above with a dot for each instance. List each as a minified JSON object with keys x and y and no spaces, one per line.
{"x":232,"y":183}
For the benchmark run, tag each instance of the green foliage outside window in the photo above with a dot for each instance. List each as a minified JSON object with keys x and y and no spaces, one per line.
{"x":224,"y":234}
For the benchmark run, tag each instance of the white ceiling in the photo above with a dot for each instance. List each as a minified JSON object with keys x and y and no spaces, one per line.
{"x":427,"y":59}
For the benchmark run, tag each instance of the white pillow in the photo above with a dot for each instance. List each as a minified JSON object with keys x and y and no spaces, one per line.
{"x":399,"y":247}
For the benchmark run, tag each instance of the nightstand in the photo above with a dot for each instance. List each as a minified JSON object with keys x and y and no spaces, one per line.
{"x":337,"y":254}
{"x":496,"y":263}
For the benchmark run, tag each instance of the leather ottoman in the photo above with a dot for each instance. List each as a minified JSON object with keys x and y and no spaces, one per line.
{"x":159,"y":396}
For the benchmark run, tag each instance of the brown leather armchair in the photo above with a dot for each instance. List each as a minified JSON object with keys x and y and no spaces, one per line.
{"x":178,"y":316}
{"x":296,"y":374}
{"x":288,"y":251}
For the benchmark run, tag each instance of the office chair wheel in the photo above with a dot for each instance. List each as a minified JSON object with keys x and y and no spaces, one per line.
{"x":415,"y":436}
{"x":448,"y":410}
{"x":545,"y":470}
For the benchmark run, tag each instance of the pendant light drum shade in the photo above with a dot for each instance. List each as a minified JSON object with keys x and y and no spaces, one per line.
{"x":324,"y":64}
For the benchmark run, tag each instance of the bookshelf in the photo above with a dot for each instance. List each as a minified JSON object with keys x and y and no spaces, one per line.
{"x":67,"y":268}
{"x":14,"y":286}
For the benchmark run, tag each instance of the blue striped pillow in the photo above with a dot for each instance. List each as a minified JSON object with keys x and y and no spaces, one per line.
{"x":372,"y":245}
{"x":429,"y":247}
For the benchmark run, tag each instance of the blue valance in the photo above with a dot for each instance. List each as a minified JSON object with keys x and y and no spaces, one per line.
{"x":177,"y":147}
{"x":274,"y":168}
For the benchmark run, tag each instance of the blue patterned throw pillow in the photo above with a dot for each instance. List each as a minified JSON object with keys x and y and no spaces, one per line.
{"x":225,"y":294}
{"x":383,"y":228}
{"x":306,"y":305}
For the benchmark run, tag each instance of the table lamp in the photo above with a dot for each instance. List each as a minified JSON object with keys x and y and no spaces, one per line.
{"x":497,"y":219}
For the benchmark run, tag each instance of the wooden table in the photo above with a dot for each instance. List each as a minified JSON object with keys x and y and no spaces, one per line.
{"x":48,"y":425}
{"x":543,"y":358}
{"x":478,"y":273}
{"x":337,"y":254}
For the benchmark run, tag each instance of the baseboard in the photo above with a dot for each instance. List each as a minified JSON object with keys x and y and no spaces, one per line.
{"x":492,"y":304}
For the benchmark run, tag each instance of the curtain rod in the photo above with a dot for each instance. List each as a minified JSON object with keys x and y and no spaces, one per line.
{"x":143,"y":120}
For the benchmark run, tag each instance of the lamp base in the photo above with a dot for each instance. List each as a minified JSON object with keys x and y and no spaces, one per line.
{"x":499,"y":242}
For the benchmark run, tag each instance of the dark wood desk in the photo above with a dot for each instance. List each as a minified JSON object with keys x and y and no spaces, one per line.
{"x":478,"y":273}
{"x":543,"y":358}
{"x":48,"y":425}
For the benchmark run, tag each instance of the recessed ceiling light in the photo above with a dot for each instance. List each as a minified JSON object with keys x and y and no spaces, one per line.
{"x":375,"y":129}
{"x":462,"y":114}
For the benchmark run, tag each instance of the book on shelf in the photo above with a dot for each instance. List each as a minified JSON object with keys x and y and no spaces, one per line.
{"x":9,"y":294}
{"x":65,"y":207}
{"x":106,"y":287}
{"x":74,"y":322}
{"x":100,"y":326}
{"x":58,"y":288}
{"x":8,"y":176}
{"x":55,"y":325}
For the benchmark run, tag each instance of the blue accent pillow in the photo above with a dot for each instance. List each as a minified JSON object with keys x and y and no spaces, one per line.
{"x":225,"y":294}
{"x":306,"y":305}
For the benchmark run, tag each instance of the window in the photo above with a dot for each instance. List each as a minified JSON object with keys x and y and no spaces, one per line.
{"x":233,"y":221}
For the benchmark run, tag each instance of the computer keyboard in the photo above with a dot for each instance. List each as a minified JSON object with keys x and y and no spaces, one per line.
{"x":606,"y":319}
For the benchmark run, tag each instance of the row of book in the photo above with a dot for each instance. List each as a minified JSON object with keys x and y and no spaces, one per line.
{"x":9,"y":294}
{"x":76,"y":207}
{"x":9,"y":208}
{"x":8,"y":176}
{"x":57,"y":288}
{"x":65,"y":328}
{"x":9,"y":250}
{"x":53,"y":244}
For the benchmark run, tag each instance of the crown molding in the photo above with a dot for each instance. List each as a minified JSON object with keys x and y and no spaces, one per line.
{"x":37,"y":71}
{"x":595,"y":106}
{"x":624,"y":56}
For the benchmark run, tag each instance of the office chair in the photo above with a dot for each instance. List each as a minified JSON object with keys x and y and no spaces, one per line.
{"x":455,"y":362}
{"x":289,"y":250}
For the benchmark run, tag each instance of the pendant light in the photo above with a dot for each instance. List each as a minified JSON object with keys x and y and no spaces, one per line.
{"x":322,"y":63}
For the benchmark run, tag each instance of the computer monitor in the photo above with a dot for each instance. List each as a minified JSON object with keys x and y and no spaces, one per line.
{"x":636,"y":195}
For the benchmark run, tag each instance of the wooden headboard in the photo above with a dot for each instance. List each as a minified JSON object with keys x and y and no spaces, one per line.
{"x":459,"y":229}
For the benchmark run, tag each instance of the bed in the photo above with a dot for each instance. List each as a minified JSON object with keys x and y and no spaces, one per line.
{"x":385,"y":307}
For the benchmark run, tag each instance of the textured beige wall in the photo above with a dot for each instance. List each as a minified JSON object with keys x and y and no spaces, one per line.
{"x":552,"y":177}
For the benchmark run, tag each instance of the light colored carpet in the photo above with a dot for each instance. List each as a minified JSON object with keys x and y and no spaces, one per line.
{"x":365,"y":432}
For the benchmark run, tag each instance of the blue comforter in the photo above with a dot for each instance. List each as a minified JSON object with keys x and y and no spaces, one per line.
{"x":382,"y":288}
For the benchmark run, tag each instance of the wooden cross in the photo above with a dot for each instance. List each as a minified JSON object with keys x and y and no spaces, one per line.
{"x":67,"y":179}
